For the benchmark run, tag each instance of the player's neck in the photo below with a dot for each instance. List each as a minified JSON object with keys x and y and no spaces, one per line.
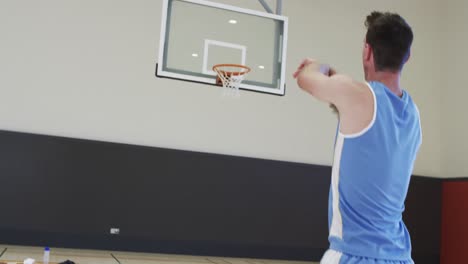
{"x":390,"y":79}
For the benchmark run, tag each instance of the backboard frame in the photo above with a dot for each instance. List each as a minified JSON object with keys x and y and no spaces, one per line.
{"x":160,"y":72}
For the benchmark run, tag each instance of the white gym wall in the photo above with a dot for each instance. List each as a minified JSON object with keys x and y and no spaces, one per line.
{"x":85,"y":69}
{"x":454,"y":90}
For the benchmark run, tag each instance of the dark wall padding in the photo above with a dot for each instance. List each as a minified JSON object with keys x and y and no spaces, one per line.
{"x":66,"y":192}
{"x":454,"y":222}
{"x":422,"y":217}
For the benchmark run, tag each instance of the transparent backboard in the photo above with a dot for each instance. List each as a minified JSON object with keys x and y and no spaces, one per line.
{"x":197,"y":34}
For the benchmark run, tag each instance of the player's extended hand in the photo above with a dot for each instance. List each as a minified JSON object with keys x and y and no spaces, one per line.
{"x":304,"y":63}
{"x":323,"y":68}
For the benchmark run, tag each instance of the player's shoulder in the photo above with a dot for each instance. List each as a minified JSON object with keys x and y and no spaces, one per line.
{"x":412,"y":104}
{"x":412,"y":110}
{"x":357,"y":100}
{"x":349,"y":85}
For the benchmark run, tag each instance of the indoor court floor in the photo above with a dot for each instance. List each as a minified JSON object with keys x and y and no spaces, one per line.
{"x":16,"y":254}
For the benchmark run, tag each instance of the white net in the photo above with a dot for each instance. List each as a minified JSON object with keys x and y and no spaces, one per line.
{"x":231,"y":77}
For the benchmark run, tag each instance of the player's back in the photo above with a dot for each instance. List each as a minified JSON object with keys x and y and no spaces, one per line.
{"x":371,"y":174}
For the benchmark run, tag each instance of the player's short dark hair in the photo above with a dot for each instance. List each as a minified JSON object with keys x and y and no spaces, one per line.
{"x":390,"y":38}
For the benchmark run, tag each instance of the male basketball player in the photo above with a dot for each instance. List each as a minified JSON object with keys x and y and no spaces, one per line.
{"x":376,"y":145}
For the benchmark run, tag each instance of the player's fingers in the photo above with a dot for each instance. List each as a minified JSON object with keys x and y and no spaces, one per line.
{"x":296,"y":74}
{"x":299,"y":69}
{"x":303,"y":64}
{"x":308,"y":61}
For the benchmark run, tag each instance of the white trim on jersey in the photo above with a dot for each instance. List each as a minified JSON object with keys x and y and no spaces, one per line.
{"x":337,"y":221}
{"x":331,"y":257}
{"x":419,"y":120}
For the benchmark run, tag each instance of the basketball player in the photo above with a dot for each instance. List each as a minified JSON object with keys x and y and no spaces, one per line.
{"x":378,"y":137}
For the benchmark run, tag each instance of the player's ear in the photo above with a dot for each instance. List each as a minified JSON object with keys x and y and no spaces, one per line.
{"x":408,"y":57}
{"x":367,"y":52}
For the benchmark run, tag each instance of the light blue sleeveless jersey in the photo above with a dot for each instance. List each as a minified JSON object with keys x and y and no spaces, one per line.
{"x":370,"y":178}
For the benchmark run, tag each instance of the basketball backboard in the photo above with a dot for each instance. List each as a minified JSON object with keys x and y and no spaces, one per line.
{"x":197,"y":34}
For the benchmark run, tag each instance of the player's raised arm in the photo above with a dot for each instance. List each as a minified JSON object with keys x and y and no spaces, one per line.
{"x":326,"y":85}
